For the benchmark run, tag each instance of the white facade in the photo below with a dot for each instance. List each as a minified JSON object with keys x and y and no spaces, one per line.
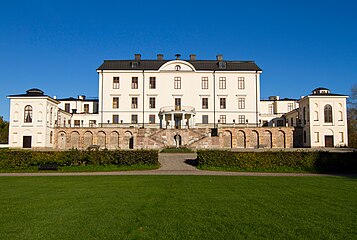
{"x":272,"y":110}
{"x":32,"y":120}
{"x":324,"y":119}
{"x":178,"y":93}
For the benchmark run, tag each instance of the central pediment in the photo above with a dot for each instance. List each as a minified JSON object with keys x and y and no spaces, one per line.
{"x":177,"y":66}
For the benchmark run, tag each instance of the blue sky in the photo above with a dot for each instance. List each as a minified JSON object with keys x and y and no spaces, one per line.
{"x":57,"y":45}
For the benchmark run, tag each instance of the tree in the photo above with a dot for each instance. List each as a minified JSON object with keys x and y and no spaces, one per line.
{"x":4,"y":130}
{"x":352,"y":117}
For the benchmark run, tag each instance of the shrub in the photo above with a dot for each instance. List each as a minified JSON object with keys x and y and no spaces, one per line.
{"x":21,"y":159}
{"x":274,"y":161}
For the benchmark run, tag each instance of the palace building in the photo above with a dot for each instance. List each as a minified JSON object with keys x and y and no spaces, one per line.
{"x":161,"y":103}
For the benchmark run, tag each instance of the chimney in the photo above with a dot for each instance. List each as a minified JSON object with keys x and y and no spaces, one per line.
{"x":55,"y":97}
{"x":160,"y":56}
{"x":219,"y":57}
{"x":193,"y":57}
{"x":81,"y":97}
{"x":137,"y":57}
{"x":178,"y":56}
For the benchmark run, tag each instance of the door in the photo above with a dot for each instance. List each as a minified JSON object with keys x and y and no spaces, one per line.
{"x":177,"y":122}
{"x":329,"y":141}
{"x":27,"y":140}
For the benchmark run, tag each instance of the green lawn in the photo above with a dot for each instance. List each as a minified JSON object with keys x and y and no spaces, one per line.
{"x":178,"y":207}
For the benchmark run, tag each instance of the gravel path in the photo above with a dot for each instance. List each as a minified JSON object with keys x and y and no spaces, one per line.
{"x":173,"y":164}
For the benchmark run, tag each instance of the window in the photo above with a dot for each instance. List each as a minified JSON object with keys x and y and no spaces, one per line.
{"x":86,"y":108}
{"x":152,"y":102}
{"x":291,"y":122}
{"x":51,"y":115}
{"x":241,"y":119}
{"x":304,"y":115}
{"x":317,"y":137}
{"x":222,"y":103}
{"x":241,"y":103}
{"x":241,"y":84}
{"x":51,"y":137}
{"x":177,"y":83}
{"x":115,"y":102}
{"x":222,"y":83}
{"x":77,"y":123}
{"x":280,"y":123}
{"x":92,"y":123}
{"x":270,"y":109}
{"x":290,"y":107}
{"x":116,"y":84}
{"x":204,"y":82}
{"x":328,"y":113}
{"x":222,"y":119}
{"x":28,"y":114}
{"x":204,"y":103}
{"x":340,"y":116}
{"x":134,"y":83}
{"x":205,"y":119}
{"x":67,"y":107}
{"x":134,"y":102}
{"x":152,"y":83}
{"x":177,"y":103}
{"x":134,"y":118}
{"x":115,"y":118}
{"x":151,"y":119}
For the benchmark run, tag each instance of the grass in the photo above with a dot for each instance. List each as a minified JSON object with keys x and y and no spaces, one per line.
{"x":178,"y":207}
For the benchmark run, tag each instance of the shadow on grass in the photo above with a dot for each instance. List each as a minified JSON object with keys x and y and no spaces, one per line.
{"x":192,"y":162}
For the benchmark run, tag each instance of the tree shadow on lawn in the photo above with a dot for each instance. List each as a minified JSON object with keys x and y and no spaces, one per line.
{"x":192,"y":162}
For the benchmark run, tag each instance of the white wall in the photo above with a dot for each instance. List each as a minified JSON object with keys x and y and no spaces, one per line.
{"x":191,"y":93}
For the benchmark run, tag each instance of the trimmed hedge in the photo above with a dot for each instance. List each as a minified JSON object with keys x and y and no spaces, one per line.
{"x":20,"y":160}
{"x":279,"y":160}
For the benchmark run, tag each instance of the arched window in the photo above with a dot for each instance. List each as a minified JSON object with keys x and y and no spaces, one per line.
{"x":28,"y":114}
{"x":316,"y":116}
{"x":328,"y":113}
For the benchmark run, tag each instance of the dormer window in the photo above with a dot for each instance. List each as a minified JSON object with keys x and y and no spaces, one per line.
{"x":134,"y":64}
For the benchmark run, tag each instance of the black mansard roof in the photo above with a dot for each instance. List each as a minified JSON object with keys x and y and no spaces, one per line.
{"x":209,"y":65}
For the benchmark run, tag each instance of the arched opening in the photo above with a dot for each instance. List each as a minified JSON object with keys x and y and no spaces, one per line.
{"x":328,"y":113}
{"x":61,"y":140}
{"x":241,"y":139}
{"x":281,"y":139}
{"x":267,"y":139}
{"x":227,"y":139}
{"x":28,"y":114}
{"x":129,"y":140}
{"x":254,"y":139}
{"x":75,"y":140}
{"x":178,"y":140}
{"x":88,"y":139}
{"x":101,"y":139}
{"x":114,"y":140}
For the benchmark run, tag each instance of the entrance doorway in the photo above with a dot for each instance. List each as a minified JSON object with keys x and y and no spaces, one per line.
{"x":177,"y":121}
{"x":27,"y":142}
{"x":177,"y":140}
{"x":329,"y":141}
